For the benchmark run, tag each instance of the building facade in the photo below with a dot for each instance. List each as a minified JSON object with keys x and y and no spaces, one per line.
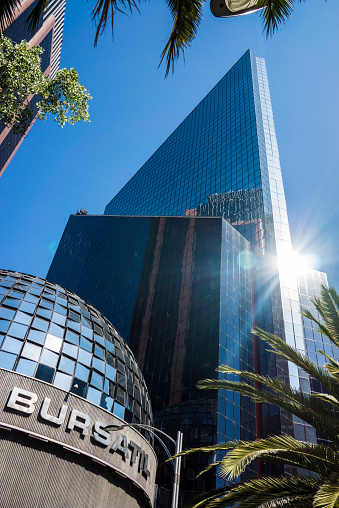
{"x":65,"y":373}
{"x":48,"y":35}
{"x":221,"y":165}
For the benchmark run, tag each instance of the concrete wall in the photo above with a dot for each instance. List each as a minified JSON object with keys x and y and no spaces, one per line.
{"x":46,"y":464}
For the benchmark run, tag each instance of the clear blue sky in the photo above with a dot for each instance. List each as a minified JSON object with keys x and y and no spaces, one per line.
{"x":134,"y":109}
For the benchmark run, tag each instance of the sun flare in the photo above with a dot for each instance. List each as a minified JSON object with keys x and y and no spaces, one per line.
{"x":292,"y":263}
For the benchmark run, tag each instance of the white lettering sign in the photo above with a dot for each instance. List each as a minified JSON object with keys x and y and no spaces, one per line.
{"x":24,"y":402}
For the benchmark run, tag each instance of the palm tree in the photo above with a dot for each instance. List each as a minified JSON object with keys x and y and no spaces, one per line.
{"x":318,"y":487}
{"x":186,"y":16}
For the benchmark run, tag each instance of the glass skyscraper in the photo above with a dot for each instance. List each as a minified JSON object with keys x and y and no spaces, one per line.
{"x":193,"y":297}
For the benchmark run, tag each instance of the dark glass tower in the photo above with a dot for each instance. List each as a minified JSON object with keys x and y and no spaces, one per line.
{"x":196,"y":284}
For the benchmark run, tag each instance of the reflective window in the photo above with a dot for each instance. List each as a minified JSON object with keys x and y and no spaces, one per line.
{"x":100,"y":340}
{"x":6,"y":313}
{"x":110,"y":372}
{"x":86,"y":344}
{"x":45,"y":373}
{"x":82,"y":372}
{"x":31,"y":351}
{"x":96,"y":380}
{"x":84,"y":357}
{"x":62,"y":381}
{"x":44,"y":313}
{"x":66,"y":365}
{"x":11,"y":345}
{"x":106,"y":402}
{"x":7,"y":360}
{"x":22,"y":318}
{"x":56,"y":330}
{"x":72,"y":337}
{"x":11,"y":302}
{"x":27,"y":307}
{"x":70,"y":350}
{"x":17,"y":330}
{"x":82,"y":387}
{"x":26,"y":367}
{"x":93,"y":395}
{"x":98,"y":365}
{"x":53,"y":343}
{"x":40,"y":324}
{"x":36,"y":336}
{"x":58,"y":318}
{"x":118,"y":410}
{"x":49,"y":358}
{"x":4,"y":325}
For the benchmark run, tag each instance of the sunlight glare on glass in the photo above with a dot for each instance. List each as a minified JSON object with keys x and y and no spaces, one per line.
{"x":292,"y":263}
{"x":246,"y":260}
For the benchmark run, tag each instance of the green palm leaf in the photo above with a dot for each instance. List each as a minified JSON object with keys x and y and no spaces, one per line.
{"x":305,"y":407}
{"x":281,"y":449}
{"x":328,"y":494}
{"x":327,"y":398}
{"x":187,"y":16}
{"x":328,"y":308}
{"x":7,"y":12}
{"x":106,"y":9}
{"x":201,"y":500}
{"x":299,"y":359}
{"x":266,"y":492}
{"x":275,"y":13}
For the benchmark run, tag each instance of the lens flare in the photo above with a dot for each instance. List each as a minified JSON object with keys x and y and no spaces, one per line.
{"x":246,"y":260}
{"x":292,"y":263}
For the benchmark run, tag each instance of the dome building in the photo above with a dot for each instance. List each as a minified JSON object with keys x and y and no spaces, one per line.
{"x":65,"y":373}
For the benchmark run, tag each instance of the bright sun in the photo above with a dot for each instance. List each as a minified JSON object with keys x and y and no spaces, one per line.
{"x":291,"y":263}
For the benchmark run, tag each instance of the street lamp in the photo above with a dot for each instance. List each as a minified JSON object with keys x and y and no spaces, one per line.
{"x":230,"y":8}
{"x":178,"y":448}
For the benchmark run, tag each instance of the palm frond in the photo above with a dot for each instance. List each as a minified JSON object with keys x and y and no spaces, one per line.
{"x":8,"y":8}
{"x":281,"y":449}
{"x":328,"y":308}
{"x":328,"y":494}
{"x":327,"y":398}
{"x":187,"y":16}
{"x":275,"y":13}
{"x":206,"y":449}
{"x":106,"y":9}
{"x":307,"y":408}
{"x":36,"y":14}
{"x":209,"y":467}
{"x":281,"y":348}
{"x":200,"y":500}
{"x":265,"y":491}
{"x":297,"y":501}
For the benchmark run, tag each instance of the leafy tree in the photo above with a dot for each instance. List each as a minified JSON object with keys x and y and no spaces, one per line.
{"x":21,"y":78}
{"x":318,"y":487}
{"x":186,"y":16}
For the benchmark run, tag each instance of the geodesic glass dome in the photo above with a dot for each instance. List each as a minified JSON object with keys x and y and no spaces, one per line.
{"x":52,"y":334}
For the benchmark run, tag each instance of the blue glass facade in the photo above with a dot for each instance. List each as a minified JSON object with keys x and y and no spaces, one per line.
{"x":215,"y":149}
{"x":226,"y":152}
{"x":51,"y":334}
{"x":139,"y":264}
{"x":179,"y":289}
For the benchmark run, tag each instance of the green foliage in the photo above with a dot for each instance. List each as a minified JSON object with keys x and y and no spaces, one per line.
{"x":21,"y":78}
{"x":320,"y":487}
{"x":186,"y":16}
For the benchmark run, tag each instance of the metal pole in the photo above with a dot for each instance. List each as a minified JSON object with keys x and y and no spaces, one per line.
{"x":176,"y":481}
